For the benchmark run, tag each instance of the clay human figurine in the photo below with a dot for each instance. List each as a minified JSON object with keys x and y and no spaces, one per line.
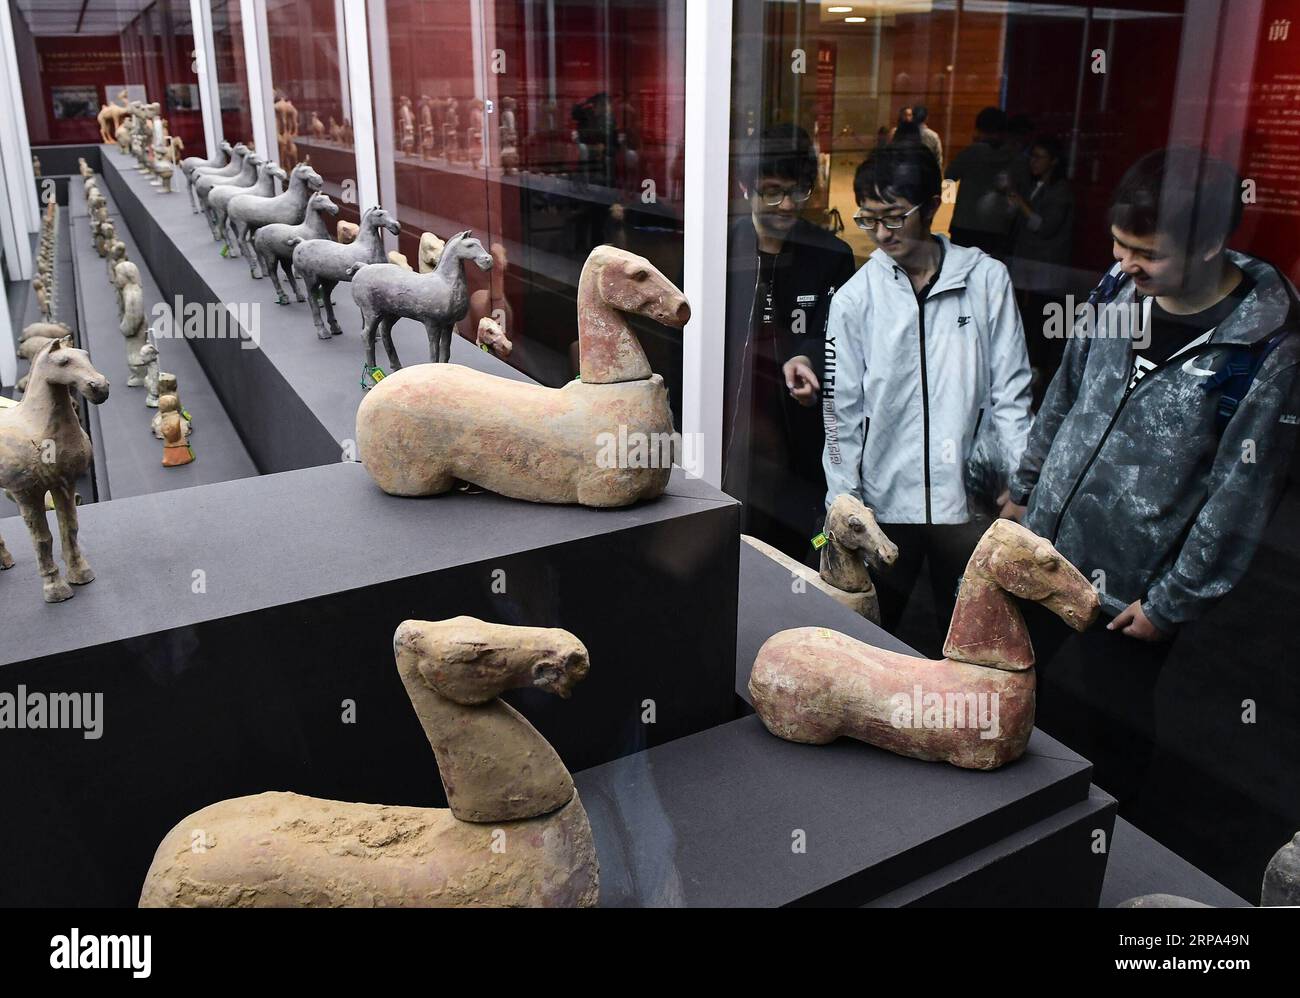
{"x":426,"y":127}
{"x":322,"y":264}
{"x":48,"y":414}
{"x":346,"y":232}
{"x":220,"y":198}
{"x":451,"y":131}
{"x":176,"y":447}
{"x":133,"y":325}
{"x":405,"y":126}
{"x":399,"y":260}
{"x":274,"y":243}
{"x":492,"y":301}
{"x":421,"y":430}
{"x":431,"y":248}
{"x":248,"y":213}
{"x":386,"y":293}
{"x":166,"y":383}
{"x":116,"y":254}
{"x":504,"y":784}
{"x":850,"y":540}
{"x":316,"y":126}
{"x":149,"y":364}
{"x":165,"y":176}
{"x":973,"y":708}
{"x":474,"y":134}
{"x":490,"y":337}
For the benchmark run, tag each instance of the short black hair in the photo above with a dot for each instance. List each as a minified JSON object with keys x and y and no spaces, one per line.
{"x":780,"y":150}
{"x":904,"y":170}
{"x":1053,"y":146}
{"x":919,"y":113}
{"x":991,"y":119}
{"x":1181,"y":191}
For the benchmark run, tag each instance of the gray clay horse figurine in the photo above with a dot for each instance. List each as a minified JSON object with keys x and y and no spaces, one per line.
{"x":386,"y":292}
{"x":245,"y":178}
{"x":205,"y":178}
{"x":248,"y":214}
{"x":274,"y":243}
{"x":322,"y":264}
{"x":191,"y":163}
{"x":44,"y":449}
{"x":220,"y":198}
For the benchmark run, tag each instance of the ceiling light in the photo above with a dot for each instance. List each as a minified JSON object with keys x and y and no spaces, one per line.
{"x":855,"y":20}
{"x":838,"y":10}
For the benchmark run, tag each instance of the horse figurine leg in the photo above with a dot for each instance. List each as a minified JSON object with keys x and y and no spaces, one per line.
{"x":6,"y":559}
{"x":65,"y":508}
{"x":314,"y":288}
{"x":369,"y":324}
{"x":439,"y":341}
{"x":386,"y":332}
{"x":293,"y":283}
{"x":327,"y":292}
{"x":32,"y":509}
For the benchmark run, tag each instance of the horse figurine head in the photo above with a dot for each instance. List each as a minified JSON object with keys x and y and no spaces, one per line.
{"x":615,"y":281}
{"x":305,"y":173}
{"x":464,"y":246}
{"x":378,"y":218}
{"x":1011,"y":560}
{"x":60,"y":363}
{"x":322,"y":203}
{"x":853,"y":539}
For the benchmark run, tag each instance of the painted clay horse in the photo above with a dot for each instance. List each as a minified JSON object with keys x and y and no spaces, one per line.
{"x":322,"y":264}
{"x":274,"y":243}
{"x":421,"y":430}
{"x":386,"y":292}
{"x":44,"y":449}
{"x":221,"y":198}
{"x":853,"y":539}
{"x":205,"y":178}
{"x":515,"y":833}
{"x":973,"y":708}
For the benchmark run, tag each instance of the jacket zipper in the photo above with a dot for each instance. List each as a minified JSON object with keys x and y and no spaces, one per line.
{"x":925,"y":407}
{"x":1128,"y":393}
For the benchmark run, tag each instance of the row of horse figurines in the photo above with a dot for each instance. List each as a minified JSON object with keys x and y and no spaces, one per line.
{"x":503,"y":779}
{"x":287,"y":233}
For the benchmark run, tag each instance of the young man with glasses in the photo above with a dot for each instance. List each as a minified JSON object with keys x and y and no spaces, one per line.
{"x":782,"y":272}
{"x":927,"y":350}
{"x":1162,"y":446}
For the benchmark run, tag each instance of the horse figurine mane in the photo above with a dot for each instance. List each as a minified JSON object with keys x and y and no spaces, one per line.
{"x":973,"y":708}
{"x":501,"y":777}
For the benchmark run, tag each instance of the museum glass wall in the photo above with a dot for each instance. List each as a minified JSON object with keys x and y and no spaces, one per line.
{"x":232,"y":70}
{"x":547,"y":128}
{"x":1029,"y":117}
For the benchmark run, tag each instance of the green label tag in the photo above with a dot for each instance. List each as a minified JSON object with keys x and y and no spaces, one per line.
{"x":819,"y":541}
{"x":375,"y":375}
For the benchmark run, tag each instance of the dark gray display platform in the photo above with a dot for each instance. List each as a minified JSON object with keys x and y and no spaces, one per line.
{"x":1141,"y":865}
{"x":128,"y":457}
{"x":241,"y":687}
{"x":294,"y":399}
{"x":711,"y":819}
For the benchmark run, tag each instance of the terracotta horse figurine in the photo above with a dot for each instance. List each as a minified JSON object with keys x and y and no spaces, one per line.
{"x":192,"y":163}
{"x":515,"y":833}
{"x":386,"y":292}
{"x":851,"y":540}
{"x":322,"y":264}
{"x":44,"y":449}
{"x":973,"y":708}
{"x":598,"y":441}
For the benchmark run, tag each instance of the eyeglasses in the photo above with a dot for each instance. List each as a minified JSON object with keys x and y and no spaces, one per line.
{"x":868,"y":224}
{"x":773,"y":196}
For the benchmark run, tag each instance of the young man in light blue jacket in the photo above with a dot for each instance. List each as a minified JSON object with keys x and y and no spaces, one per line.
{"x":924,"y":352}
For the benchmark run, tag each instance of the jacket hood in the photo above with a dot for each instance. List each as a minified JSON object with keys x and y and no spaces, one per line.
{"x":1271,"y":304}
{"x":958,"y":262}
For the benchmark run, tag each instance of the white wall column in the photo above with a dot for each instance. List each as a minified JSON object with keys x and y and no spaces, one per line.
{"x":363,"y":108}
{"x":707,"y":170}
{"x":261,"y":96}
{"x":381,"y":80}
{"x":205,"y":64}
{"x":13,"y":130}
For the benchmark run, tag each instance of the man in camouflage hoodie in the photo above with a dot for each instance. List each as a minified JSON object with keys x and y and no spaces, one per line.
{"x":1163,"y":442}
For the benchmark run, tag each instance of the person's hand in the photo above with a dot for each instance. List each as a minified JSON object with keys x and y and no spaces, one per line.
{"x":800,"y":380}
{"x":1008,"y":510}
{"x":1135,"y":623}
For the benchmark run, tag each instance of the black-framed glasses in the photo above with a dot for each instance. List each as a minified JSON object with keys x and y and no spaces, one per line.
{"x":773,"y":196}
{"x":868,"y":224}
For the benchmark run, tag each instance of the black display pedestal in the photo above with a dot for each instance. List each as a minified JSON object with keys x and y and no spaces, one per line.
{"x":231,"y":627}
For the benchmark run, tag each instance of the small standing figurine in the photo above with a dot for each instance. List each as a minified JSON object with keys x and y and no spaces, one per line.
{"x":152,"y":376}
{"x":474,"y":133}
{"x":316,"y":126}
{"x":176,"y":450}
{"x":133,"y":326}
{"x":165,"y":175}
{"x":405,"y":126}
{"x":426,"y":127}
{"x":167,"y":386}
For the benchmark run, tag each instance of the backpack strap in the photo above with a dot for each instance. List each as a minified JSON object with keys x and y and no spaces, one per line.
{"x":1238,"y":374}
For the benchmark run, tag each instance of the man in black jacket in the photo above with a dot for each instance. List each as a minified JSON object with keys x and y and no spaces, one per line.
{"x":782,"y":272}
